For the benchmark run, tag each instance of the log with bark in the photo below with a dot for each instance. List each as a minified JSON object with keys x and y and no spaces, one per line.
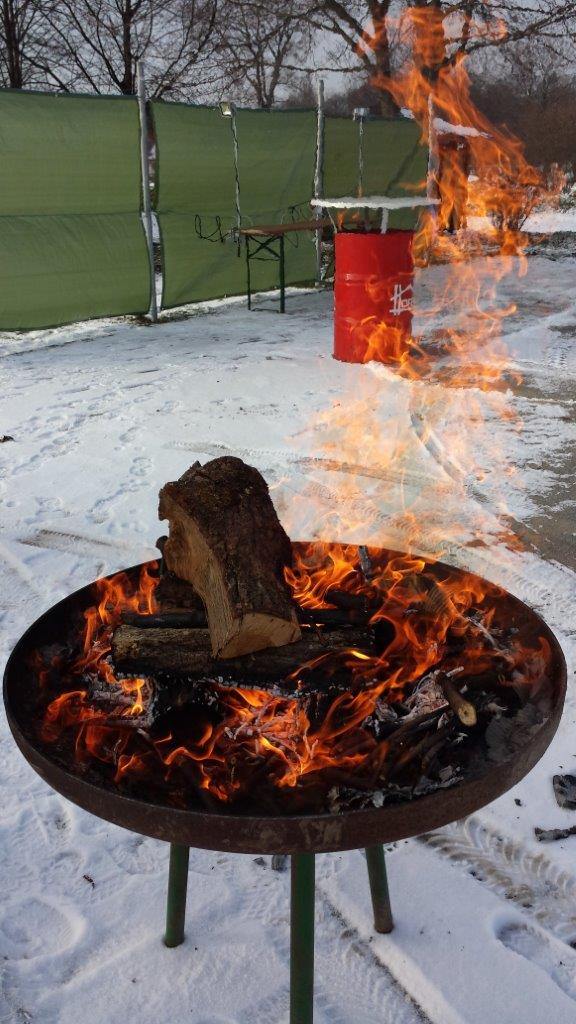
{"x":226,"y":540}
{"x":188,"y":653}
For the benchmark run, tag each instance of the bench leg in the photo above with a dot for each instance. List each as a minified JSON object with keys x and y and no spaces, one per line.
{"x":379,"y":888}
{"x":282,"y":277}
{"x":177,"y":886}
{"x":248,"y":281}
{"x":302,"y":939}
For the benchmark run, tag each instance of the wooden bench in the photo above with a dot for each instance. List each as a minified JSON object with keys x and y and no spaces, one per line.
{"x":263,"y":237}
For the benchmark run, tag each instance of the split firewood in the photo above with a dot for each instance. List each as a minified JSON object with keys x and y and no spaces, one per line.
{"x":462,"y":708}
{"x":226,"y":540}
{"x":188,"y":652}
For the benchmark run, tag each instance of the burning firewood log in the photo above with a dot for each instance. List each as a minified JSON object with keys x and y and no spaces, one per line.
{"x":188,"y":652}
{"x":462,"y":708}
{"x":226,"y":540}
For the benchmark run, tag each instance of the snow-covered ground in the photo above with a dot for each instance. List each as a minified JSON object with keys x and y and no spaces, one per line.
{"x":549,"y":221}
{"x":102,"y":415}
{"x":544,"y":221}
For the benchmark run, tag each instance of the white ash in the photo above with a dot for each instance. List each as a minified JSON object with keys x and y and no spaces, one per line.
{"x":428,"y":696}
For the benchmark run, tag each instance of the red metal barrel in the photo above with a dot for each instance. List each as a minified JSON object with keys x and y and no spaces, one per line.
{"x":373,"y":295}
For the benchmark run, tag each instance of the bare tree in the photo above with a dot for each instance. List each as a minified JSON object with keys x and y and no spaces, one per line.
{"x":257,"y":39}
{"x":24,"y":43}
{"x":100,"y":42}
{"x":370,"y":35}
{"x":363,"y":35}
{"x":472,"y":26}
{"x":532,"y":92}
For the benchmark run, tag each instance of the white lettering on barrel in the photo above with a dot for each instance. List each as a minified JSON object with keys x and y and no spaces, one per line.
{"x":402,"y":299}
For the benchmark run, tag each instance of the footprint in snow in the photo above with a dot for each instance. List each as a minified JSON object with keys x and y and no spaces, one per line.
{"x":128,"y":435}
{"x":141,"y":466}
{"x":33,"y":927}
{"x":49,"y":504}
{"x":140,"y":856}
{"x":550,"y":955}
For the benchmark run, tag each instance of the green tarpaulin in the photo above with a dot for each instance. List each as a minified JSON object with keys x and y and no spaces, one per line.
{"x":72,"y":245}
{"x":195,"y":196}
{"x":395,"y":163}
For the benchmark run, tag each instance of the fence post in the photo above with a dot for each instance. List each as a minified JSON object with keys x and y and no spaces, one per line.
{"x":146,"y":204}
{"x":319,"y":177}
{"x":361,"y":155}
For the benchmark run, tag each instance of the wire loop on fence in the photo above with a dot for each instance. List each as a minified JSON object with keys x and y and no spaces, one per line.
{"x":218,"y":235}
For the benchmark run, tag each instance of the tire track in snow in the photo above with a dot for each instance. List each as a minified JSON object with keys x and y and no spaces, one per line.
{"x":282,"y":458}
{"x":541,"y":888}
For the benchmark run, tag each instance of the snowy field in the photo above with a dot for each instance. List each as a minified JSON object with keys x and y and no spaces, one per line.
{"x":101,"y":416}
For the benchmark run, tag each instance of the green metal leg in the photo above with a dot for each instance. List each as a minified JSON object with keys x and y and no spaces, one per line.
{"x":302,"y":939}
{"x":379,"y":888}
{"x":282,"y":277}
{"x":177,"y":886}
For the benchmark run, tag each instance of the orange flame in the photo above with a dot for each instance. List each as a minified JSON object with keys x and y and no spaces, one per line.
{"x":260,"y":734}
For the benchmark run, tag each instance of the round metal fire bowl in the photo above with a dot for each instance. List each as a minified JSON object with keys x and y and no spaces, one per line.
{"x":283,"y":833}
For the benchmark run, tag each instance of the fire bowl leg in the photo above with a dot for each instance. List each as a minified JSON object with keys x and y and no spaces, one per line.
{"x":302,"y":939}
{"x":177,"y":886}
{"x":375,"y":859}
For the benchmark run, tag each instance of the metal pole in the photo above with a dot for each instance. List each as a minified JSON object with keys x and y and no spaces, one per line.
{"x":177,"y":887}
{"x":302,"y":939}
{"x":146,"y":204}
{"x":319,"y":177}
{"x":361,"y":156}
{"x":376,"y":861}
{"x":236,"y":171}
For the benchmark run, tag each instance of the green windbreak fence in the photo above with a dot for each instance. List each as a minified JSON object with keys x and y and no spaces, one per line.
{"x":72,"y":245}
{"x":195,"y":196}
{"x":395,"y":163}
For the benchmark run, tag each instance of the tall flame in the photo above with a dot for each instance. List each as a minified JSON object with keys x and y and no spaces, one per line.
{"x":431,"y":437}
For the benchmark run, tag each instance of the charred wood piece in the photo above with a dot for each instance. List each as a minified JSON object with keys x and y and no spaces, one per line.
{"x":350,"y":602}
{"x":188,"y":653}
{"x":565,"y":791}
{"x":365,"y":563}
{"x":550,"y":835}
{"x":431,"y":742}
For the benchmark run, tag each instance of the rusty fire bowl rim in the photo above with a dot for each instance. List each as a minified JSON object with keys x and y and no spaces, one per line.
{"x":290,"y":833}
